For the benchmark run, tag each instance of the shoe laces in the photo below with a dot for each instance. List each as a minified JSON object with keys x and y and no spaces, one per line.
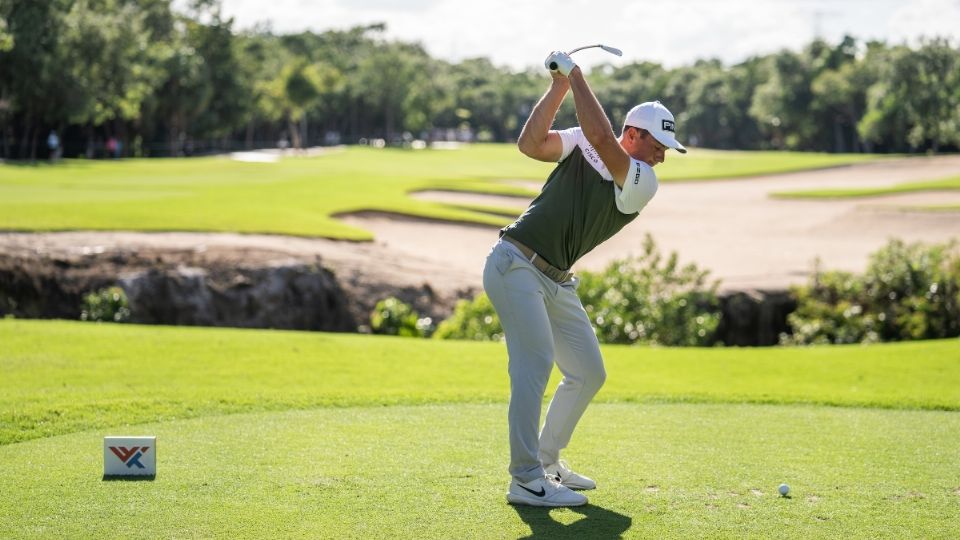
{"x":552,"y":479}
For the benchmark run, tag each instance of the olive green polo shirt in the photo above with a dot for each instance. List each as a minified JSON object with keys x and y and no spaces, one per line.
{"x":580,"y":206}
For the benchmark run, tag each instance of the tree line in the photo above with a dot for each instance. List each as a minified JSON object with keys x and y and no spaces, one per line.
{"x":157,"y":82}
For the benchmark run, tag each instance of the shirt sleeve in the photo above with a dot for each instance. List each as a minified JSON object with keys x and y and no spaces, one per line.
{"x":639,"y":187}
{"x":570,"y":138}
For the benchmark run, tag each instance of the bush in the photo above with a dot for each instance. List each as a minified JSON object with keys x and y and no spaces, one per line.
{"x":395,"y":318}
{"x":831,"y":310}
{"x":105,"y":305}
{"x":640,"y":299}
{"x":472,"y":319}
{"x":649,"y":299}
{"x":909,"y":291}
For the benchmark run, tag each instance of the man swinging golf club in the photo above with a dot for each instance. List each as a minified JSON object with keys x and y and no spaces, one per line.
{"x":600,"y":184}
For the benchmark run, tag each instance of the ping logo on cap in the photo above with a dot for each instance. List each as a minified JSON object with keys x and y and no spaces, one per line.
{"x":667,"y":125}
{"x":130,"y":456}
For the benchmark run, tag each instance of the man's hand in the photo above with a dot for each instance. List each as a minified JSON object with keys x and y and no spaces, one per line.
{"x":559,"y":62}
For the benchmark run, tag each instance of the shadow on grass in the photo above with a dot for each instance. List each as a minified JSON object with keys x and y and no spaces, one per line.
{"x":129,"y":478}
{"x":598,"y":523}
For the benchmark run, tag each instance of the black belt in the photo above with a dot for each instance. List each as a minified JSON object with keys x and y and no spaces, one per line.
{"x":549,"y":270}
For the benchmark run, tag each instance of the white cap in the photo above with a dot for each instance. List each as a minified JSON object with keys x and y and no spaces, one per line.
{"x":655,"y":118}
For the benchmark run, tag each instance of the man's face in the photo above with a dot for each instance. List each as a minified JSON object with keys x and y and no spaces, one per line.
{"x":644,"y":147}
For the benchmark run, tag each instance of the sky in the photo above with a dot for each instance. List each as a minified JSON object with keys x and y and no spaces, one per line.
{"x":518,"y":34}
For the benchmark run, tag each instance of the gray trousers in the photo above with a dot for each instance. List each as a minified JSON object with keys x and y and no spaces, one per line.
{"x":543,"y":322}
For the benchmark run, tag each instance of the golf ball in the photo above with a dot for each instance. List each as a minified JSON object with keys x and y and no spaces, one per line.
{"x":784,"y":489}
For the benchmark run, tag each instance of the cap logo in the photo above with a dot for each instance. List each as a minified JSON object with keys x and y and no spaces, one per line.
{"x":667,"y":125}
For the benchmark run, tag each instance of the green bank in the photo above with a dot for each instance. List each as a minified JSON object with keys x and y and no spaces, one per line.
{"x":57,"y":377}
{"x":951,"y":184}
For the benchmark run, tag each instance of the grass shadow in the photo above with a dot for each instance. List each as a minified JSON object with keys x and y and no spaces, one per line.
{"x":129,"y":478}
{"x":598,"y":523}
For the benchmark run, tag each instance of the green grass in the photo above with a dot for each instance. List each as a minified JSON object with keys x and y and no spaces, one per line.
{"x":303,"y":196}
{"x":296,"y":434}
{"x":944,"y":184}
{"x":701,"y":164}
{"x":89,"y":375}
{"x":664,"y":471}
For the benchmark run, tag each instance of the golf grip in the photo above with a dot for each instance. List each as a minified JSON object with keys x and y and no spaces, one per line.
{"x":553,"y":66}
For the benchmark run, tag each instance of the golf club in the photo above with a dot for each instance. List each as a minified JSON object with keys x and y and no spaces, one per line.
{"x":609,"y":49}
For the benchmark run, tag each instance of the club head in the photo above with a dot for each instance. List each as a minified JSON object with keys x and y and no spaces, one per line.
{"x":611,"y":50}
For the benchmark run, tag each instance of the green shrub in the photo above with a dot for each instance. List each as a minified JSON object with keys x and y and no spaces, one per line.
{"x":831,"y":310}
{"x":106,"y":305}
{"x":396,"y":318}
{"x":472,"y":319}
{"x":640,"y":299}
{"x":909,"y":291}
{"x":649,"y":299}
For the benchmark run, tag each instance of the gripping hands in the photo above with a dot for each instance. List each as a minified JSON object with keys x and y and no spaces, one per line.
{"x":559,"y":62}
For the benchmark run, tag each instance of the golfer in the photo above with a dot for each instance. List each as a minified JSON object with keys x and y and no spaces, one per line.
{"x":600,"y":184}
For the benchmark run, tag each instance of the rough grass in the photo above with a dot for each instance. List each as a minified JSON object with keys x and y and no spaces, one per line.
{"x":303,"y":196}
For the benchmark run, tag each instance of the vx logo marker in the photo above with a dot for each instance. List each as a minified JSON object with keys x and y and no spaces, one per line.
{"x":130,"y":456}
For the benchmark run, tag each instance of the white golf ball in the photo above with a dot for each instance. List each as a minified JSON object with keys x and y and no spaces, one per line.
{"x":784,"y":489}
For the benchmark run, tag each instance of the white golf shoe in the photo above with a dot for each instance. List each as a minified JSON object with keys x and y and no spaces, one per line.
{"x":545,"y":491}
{"x":569,"y":478}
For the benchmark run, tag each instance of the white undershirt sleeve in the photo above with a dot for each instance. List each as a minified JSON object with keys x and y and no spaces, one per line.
{"x":639,"y":187}
{"x":570,"y":138}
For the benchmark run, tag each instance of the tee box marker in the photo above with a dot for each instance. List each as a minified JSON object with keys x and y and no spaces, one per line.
{"x":129,"y":456}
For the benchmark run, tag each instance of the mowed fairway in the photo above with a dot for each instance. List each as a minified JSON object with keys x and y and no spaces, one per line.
{"x":349,"y":436}
{"x":303,"y":196}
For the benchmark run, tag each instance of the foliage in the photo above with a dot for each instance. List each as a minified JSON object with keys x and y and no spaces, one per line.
{"x":908,"y":292}
{"x":106,"y":305}
{"x":651,"y":299}
{"x":643,"y":299}
{"x":918,"y":96}
{"x":472,"y":319}
{"x":394,"y":317}
{"x":176,"y":81}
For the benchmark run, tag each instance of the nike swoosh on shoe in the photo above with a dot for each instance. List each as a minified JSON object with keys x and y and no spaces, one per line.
{"x":540,"y":493}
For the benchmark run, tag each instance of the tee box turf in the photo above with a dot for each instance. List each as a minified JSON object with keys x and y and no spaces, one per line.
{"x":129,"y":456}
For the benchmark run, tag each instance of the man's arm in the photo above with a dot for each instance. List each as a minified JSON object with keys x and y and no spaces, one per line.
{"x":597,"y":129}
{"x":536,"y":140}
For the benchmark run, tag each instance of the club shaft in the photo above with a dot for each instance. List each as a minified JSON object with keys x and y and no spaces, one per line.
{"x":584,"y":47}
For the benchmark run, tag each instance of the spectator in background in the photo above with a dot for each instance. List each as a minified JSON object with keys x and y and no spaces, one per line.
{"x":112,"y":147}
{"x":53,"y":144}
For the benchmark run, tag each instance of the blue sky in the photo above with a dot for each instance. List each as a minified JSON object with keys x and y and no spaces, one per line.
{"x":519,"y":33}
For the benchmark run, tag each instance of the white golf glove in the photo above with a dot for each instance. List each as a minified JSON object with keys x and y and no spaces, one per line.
{"x":559,"y":62}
